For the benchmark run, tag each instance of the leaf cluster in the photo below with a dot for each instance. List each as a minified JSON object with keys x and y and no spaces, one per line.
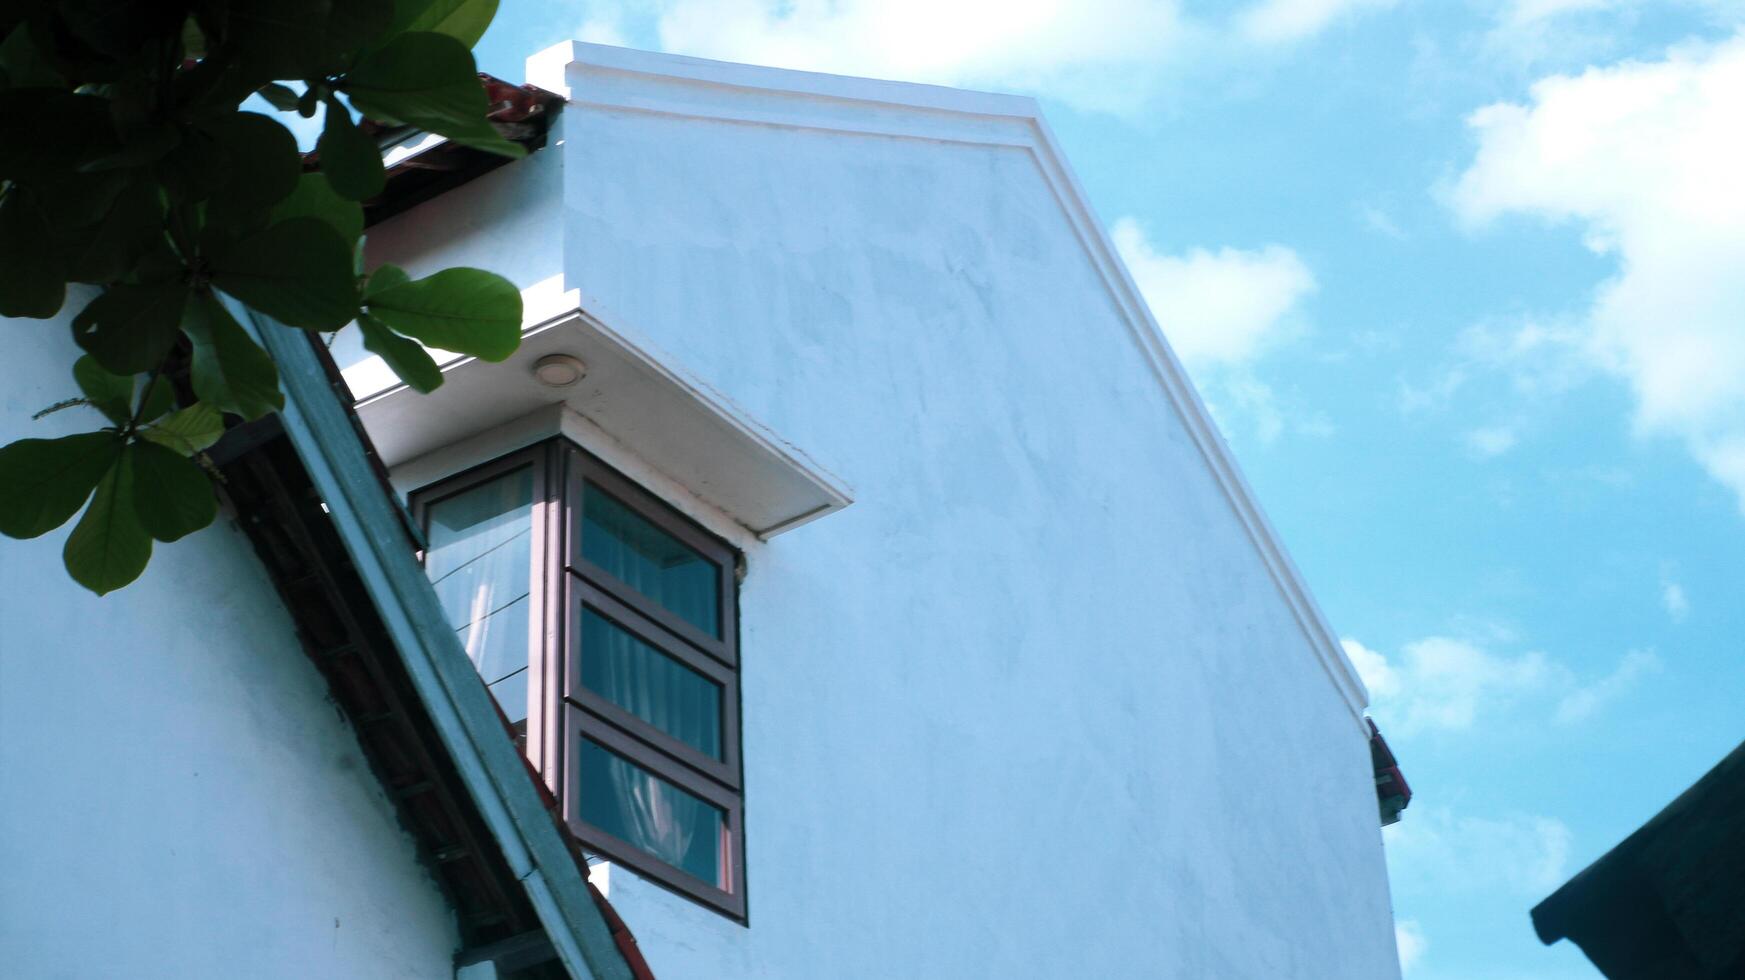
{"x":134,"y":181}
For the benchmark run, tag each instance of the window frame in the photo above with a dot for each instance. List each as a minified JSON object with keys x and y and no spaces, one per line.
{"x":588,"y":715}
{"x":561,"y":711}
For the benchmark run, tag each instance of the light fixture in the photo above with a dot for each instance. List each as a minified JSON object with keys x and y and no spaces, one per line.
{"x":559,"y":370}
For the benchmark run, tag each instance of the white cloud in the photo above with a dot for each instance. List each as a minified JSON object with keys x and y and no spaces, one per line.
{"x":1409,"y":940}
{"x":1491,"y":441}
{"x":1094,"y":52}
{"x":1645,"y":159}
{"x":1444,"y":684}
{"x":1435,"y":850}
{"x":1583,"y":702}
{"x":1381,"y":222}
{"x":1111,"y":55}
{"x":1222,"y":311}
{"x":1217,"y":308}
{"x":1378,"y":675}
{"x":1676,"y":602}
{"x":1275,"y":21}
{"x":1529,"y":11}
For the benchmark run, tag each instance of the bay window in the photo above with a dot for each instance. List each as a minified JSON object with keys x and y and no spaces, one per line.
{"x":605,"y":624}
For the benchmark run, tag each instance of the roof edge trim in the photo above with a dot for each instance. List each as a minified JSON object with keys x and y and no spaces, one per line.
{"x":460,"y":708}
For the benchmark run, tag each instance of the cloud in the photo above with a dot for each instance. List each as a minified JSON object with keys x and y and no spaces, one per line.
{"x":1381,"y":222}
{"x":1278,"y":21}
{"x":1096,"y":53}
{"x":1673,"y":598}
{"x":1491,"y":441}
{"x":1221,"y":312}
{"x":1644,"y":159}
{"x":1217,"y":308}
{"x":1107,"y":55}
{"x":1437,"y":851}
{"x":1409,"y":940}
{"x":1584,"y":702}
{"x":1444,"y":684}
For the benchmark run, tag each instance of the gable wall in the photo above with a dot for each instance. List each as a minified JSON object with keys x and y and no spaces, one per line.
{"x":1034,"y":705}
{"x":178,"y":796}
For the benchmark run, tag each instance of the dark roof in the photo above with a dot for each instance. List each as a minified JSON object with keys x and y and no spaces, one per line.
{"x":521,"y":114}
{"x":1668,"y":902}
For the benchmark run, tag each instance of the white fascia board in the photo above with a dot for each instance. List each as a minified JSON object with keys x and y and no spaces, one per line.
{"x":630,"y":81}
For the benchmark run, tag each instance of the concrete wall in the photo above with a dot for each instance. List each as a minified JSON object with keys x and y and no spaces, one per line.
{"x":1035,"y":705}
{"x":178,"y":797}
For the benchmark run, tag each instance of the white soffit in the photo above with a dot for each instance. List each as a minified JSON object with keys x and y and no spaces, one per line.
{"x":622,"y":80}
{"x":676,"y":424}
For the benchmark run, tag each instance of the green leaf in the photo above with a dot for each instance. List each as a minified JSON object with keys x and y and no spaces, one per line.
{"x":314,"y":198}
{"x":45,"y":481}
{"x":411,"y":362}
{"x":45,"y":132}
{"x":146,"y":146}
{"x":192,"y":170}
{"x":189,"y":431}
{"x":32,"y":280}
{"x":111,"y":393}
{"x":22,"y":65}
{"x":261,"y":160}
{"x":108,"y":547}
{"x":279,"y":96}
{"x":468,"y":311}
{"x":193,"y":39}
{"x":109,"y":250}
{"x":427,"y":80}
{"x":230,"y":371}
{"x":350,"y":159}
{"x":157,"y":400}
{"x":129,"y":328}
{"x":277,"y":39}
{"x":386,"y":275}
{"x":71,"y":199}
{"x":463,"y":20}
{"x":171,"y":495}
{"x":351,"y":25}
{"x":298,"y":272}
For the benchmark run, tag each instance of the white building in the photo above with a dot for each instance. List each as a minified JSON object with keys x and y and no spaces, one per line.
{"x":880,"y":602}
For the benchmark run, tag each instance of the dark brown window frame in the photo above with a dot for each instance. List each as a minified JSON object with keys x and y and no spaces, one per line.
{"x":561,"y":711}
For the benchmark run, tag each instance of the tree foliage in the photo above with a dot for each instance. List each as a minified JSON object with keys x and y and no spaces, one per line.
{"x":135,"y":185}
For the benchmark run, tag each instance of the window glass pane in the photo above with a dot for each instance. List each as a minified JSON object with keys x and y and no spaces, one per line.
{"x":481,"y":562}
{"x":649,"y":684}
{"x":511,"y":693}
{"x":638,"y":807}
{"x":649,"y":560}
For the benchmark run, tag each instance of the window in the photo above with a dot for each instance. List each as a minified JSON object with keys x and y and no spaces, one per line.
{"x":605,"y":623}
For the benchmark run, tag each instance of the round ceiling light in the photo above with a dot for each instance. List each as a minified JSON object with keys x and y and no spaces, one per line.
{"x":559,"y":370}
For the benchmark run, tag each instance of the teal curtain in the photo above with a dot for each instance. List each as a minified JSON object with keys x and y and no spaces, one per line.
{"x":651,"y":561}
{"x":649,"y":684}
{"x":635,"y":805}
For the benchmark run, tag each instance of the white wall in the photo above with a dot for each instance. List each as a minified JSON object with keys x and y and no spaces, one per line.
{"x":178,"y":797}
{"x":1034,"y":705}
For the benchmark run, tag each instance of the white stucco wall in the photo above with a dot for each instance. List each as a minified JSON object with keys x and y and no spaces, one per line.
{"x":1034,"y":705}
{"x":178,"y":797}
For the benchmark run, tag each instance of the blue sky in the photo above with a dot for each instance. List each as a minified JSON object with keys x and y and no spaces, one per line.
{"x":1461,"y":281}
